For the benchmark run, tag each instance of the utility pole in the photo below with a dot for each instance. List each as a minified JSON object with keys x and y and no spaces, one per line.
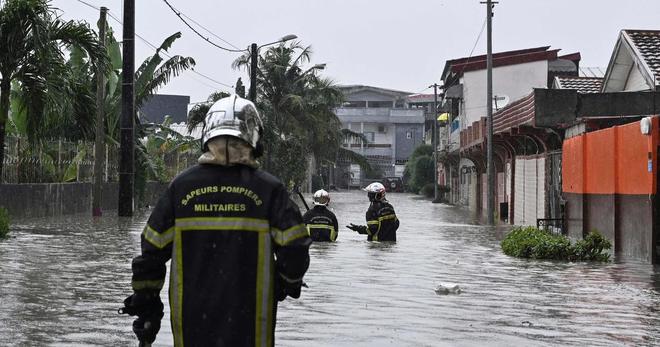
{"x":254,"y":61}
{"x":436,"y":198}
{"x":127,"y":132}
{"x":489,"y":110}
{"x":99,"y":144}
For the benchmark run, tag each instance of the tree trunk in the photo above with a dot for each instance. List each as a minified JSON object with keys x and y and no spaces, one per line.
{"x":5,"y":88}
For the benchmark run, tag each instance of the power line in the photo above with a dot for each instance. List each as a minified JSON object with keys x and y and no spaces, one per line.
{"x":88,"y":5}
{"x":169,"y":56}
{"x":476,"y":42}
{"x":156,"y":48}
{"x":209,"y":31}
{"x":179,"y":14}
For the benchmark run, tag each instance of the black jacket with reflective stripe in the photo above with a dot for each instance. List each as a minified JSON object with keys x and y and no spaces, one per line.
{"x":382,"y":222}
{"x":223,"y":228}
{"x":321,"y":223}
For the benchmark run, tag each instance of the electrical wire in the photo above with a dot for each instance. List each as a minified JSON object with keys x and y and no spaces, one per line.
{"x":145,"y":41}
{"x":476,"y":42}
{"x":209,"y":31}
{"x":180,"y":15}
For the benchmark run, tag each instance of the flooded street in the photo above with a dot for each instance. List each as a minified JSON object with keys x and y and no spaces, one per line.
{"x":62,"y":280}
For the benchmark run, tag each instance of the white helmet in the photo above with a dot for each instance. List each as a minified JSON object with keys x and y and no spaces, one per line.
{"x":375,"y":191}
{"x":233,"y":116}
{"x":321,"y":198}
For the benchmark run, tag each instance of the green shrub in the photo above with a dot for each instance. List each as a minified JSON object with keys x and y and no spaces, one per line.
{"x":428,"y":190}
{"x":418,"y":173}
{"x":593,"y":247}
{"x":4,"y":223}
{"x":530,"y":242}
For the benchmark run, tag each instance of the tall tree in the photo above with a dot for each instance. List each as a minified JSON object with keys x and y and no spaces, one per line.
{"x":298,"y":107}
{"x":32,"y":37}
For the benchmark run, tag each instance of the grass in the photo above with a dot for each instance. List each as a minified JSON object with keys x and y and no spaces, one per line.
{"x":530,"y":242}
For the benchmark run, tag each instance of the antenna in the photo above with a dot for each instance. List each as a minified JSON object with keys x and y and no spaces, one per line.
{"x":500,"y":101}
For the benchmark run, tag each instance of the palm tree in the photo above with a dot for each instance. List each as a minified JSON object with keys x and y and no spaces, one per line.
{"x":32,"y":37}
{"x":198,"y":113}
{"x":298,"y":107}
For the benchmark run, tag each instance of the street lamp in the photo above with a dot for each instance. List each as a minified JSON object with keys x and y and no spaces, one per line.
{"x":254,"y":56}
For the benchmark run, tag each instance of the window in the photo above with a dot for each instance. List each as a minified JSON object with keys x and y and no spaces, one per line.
{"x":387,"y":104}
{"x":361,"y":104}
{"x":409,"y":135}
{"x":370,"y":135}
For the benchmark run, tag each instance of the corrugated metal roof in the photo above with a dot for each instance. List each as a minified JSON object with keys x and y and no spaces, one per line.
{"x":581,"y":84}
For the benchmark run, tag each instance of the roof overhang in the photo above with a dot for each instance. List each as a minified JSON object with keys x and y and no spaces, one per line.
{"x":625,"y":57}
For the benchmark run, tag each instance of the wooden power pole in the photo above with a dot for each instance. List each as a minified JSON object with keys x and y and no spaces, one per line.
{"x":99,"y":144}
{"x":127,"y":131}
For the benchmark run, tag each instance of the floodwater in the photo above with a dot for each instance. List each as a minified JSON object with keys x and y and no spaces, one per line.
{"x":62,"y":280}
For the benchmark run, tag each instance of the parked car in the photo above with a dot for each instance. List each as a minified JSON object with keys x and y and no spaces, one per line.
{"x":393,"y":184}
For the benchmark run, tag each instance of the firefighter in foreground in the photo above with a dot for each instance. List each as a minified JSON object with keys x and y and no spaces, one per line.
{"x":382,"y":222}
{"x":236,"y":241}
{"x":320,"y":221}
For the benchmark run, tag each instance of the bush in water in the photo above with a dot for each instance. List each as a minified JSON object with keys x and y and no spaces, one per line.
{"x":592,"y":247}
{"x":530,"y":242}
{"x":428,"y":190}
{"x":4,"y":223}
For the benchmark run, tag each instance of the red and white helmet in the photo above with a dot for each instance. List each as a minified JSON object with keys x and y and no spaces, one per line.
{"x":375,"y":191}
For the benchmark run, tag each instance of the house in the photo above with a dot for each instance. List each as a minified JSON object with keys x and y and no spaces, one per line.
{"x":515,"y":74}
{"x":608,"y":174}
{"x":392,"y":130}
{"x":160,"y":105}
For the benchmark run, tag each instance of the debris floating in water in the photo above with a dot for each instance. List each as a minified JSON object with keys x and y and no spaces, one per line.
{"x":446,"y":290}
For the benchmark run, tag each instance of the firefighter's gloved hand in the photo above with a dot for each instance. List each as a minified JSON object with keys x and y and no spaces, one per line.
{"x":144,"y":303}
{"x":362,"y":229}
{"x":284,"y":288}
{"x":149,"y":309}
{"x":147,"y":328}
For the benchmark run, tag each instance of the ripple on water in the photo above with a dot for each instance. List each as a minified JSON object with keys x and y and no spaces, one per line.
{"x":61,"y":281}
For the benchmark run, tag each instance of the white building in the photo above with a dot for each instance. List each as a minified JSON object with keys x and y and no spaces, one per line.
{"x":392,"y":129}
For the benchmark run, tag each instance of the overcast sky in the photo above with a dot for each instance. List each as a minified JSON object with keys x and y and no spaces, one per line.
{"x":385,"y":43}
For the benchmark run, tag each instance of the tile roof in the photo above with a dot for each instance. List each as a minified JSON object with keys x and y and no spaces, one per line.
{"x":581,"y":84}
{"x":647,"y":42}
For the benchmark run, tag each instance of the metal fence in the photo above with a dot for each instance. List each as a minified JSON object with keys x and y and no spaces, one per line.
{"x":54,"y":160}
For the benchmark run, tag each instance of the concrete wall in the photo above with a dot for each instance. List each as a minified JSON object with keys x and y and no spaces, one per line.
{"x":514,"y":81}
{"x":55,"y":199}
{"x":609,"y":180}
{"x":404,"y":145}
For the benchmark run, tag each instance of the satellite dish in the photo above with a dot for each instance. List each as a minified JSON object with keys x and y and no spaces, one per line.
{"x":500,"y":101}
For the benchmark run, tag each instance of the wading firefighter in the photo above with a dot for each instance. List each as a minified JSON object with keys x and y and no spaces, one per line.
{"x":320,"y":221}
{"x":382,"y":222}
{"x":236,"y":242}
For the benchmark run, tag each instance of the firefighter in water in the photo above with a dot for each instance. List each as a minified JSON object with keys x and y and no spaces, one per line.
{"x":236,"y":241}
{"x":382,"y":222}
{"x":320,"y":221}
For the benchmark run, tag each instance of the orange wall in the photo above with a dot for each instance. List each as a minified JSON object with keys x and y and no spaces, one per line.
{"x":611,"y":161}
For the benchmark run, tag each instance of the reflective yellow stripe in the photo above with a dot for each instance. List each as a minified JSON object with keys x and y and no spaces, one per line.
{"x":158,"y":240}
{"x":176,"y":290}
{"x":333,"y":232}
{"x":284,"y":237}
{"x":148,"y":284}
{"x":373,"y":222}
{"x":264,"y":300}
{"x":389,"y":216}
{"x":222,"y":223}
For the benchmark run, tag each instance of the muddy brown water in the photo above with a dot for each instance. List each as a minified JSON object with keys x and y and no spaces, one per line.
{"x":62,"y":280}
